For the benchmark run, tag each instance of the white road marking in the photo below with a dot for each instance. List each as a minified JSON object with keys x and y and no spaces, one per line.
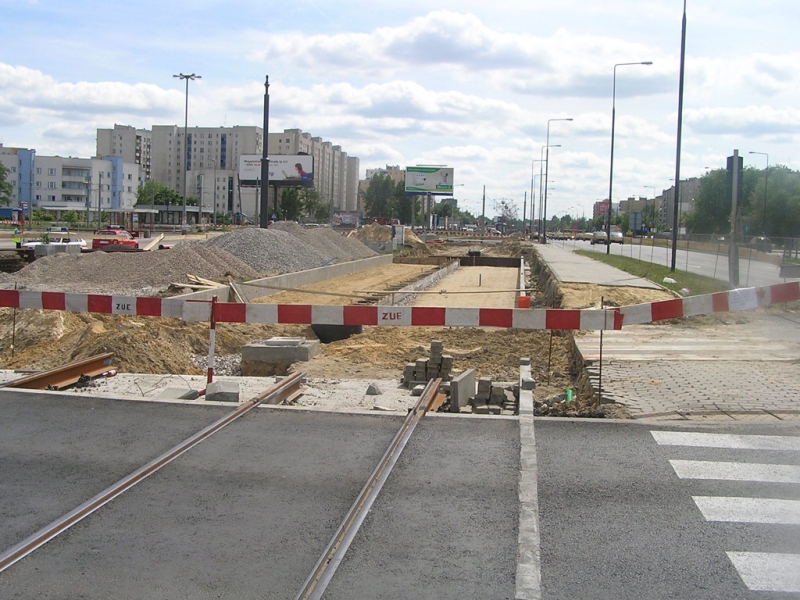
{"x":727,"y":440}
{"x":733,"y":471}
{"x":749,"y":510}
{"x":768,"y":572}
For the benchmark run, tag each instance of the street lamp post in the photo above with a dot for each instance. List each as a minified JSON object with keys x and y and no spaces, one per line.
{"x":533,"y":192}
{"x":766,"y":179}
{"x":541,"y":182}
{"x":543,"y":216}
{"x":192,"y":76}
{"x":611,"y":167}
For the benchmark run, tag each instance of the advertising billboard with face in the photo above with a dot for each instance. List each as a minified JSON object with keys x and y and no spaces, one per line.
{"x":285,"y":170}
{"x":429,"y":180}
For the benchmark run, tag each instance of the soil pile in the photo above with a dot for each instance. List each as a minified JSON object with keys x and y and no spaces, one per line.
{"x":373,"y":233}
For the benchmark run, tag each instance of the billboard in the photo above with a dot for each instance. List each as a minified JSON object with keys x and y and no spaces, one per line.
{"x":285,"y":170}
{"x":429,"y":180}
{"x":346,"y":218}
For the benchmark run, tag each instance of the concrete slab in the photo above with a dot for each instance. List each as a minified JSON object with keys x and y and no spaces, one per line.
{"x":462,"y":388}
{"x":222,"y":391}
{"x":281,"y":350}
{"x":569,"y":267}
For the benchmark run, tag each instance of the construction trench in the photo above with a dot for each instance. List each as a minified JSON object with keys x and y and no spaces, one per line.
{"x":437,"y":281}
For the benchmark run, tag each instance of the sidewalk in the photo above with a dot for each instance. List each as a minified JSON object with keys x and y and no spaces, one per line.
{"x":744,"y":366}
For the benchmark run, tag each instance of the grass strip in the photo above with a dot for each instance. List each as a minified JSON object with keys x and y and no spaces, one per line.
{"x":696,"y":284}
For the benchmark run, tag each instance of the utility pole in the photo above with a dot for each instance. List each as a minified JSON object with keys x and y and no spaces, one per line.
{"x":264,"y":217}
{"x":483,"y":213}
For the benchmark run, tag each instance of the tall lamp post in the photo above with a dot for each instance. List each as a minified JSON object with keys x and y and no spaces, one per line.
{"x":533,"y":191}
{"x":543,"y":216}
{"x":192,"y":76}
{"x":766,"y":179}
{"x":611,"y":167}
{"x":541,"y":182}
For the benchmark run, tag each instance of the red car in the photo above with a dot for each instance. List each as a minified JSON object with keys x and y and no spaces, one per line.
{"x":113,"y":237}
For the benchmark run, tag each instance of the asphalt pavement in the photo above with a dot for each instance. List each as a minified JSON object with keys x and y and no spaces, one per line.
{"x":249,"y":511}
{"x":635,"y":511}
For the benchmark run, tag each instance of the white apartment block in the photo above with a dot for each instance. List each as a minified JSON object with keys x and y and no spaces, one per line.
{"x":212,"y":164}
{"x":132,"y":144}
{"x":335,"y":173}
{"x":59,"y":184}
{"x":84,"y":184}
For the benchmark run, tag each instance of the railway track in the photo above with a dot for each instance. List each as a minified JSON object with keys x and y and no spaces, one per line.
{"x":316,"y":583}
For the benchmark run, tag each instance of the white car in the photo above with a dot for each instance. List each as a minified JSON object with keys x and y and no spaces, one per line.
{"x":58,"y":241}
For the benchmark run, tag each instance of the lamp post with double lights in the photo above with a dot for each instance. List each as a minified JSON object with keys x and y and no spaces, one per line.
{"x":541,"y":183}
{"x":186,"y":78}
{"x":766,"y":180}
{"x":543,"y":216}
{"x":611,"y":167}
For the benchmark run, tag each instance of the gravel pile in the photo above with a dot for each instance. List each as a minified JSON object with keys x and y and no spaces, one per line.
{"x":128,"y":273}
{"x":269,"y":251}
{"x":287,"y":247}
{"x":327,"y":242}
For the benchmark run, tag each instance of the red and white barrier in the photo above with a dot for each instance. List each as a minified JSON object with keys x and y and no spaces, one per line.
{"x":730,"y":301}
{"x":406,"y":316}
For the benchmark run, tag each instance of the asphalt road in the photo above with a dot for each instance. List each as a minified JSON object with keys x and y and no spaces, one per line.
{"x":248,"y":512}
{"x":625,"y":517}
{"x":752,"y":273}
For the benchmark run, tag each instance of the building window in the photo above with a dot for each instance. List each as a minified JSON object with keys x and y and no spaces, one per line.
{"x":38,"y":184}
{"x":51,"y":171}
{"x":38,"y":170}
{"x":51,"y":185}
{"x":13,"y":169}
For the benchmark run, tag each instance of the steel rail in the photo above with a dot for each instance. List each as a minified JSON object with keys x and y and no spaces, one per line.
{"x":64,"y":375}
{"x":47,"y":533}
{"x":326,"y":566}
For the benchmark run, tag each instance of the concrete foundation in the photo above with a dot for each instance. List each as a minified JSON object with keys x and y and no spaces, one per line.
{"x":222,"y":391}
{"x":281,"y":350}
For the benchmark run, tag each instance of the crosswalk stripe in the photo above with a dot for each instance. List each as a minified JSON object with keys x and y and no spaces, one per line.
{"x":768,"y":572}
{"x":727,"y":440}
{"x":732,"y":471}
{"x":749,"y":510}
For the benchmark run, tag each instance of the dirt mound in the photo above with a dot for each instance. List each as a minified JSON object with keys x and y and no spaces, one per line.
{"x":373,"y":233}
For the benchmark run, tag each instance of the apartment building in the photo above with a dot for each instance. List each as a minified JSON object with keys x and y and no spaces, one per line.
{"x":19,"y":163}
{"x":133,"y":145}
{"x":666,"y":202}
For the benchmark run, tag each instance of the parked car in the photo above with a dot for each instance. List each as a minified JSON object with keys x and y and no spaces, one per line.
{"x":761,"y":243}
{"x":60,"y":241}
{"x":113,"y":237}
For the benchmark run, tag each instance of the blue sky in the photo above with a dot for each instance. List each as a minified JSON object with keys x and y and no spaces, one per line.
{"x":467,"y":84}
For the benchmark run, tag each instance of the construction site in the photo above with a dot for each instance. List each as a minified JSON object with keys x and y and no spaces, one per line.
{"x":244,"y":265}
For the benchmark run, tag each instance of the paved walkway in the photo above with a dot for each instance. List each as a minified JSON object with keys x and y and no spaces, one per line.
{"x":743,"y":366}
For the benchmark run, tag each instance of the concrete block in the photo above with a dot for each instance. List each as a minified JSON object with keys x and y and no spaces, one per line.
{"x":222,"y":391}
{"x":528,"y":383}
{"x":462,"y":388}
{"x":494,"y":410}
{"x":484,"y":385}
{"x":481,"y":410}
{"x":524,"y":361}
{"x":177,"y":394}
{"x":374,"y":390}
{"x":417,"y":390}
{"x":280,"y":350}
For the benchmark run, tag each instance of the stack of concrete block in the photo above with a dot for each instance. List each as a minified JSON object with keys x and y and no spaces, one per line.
{"x":493,"y":399}
{"x":437,"y":365}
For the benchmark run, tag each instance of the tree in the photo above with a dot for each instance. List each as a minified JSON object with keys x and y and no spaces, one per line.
{"x":380,"y":196}
{"x":71,"y":217}
{"x":6,"y":189}
{"x":712,"y":204}
{"x":153,"y":192}
{"x":311,"y":203}
{"x":290,"y":204}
